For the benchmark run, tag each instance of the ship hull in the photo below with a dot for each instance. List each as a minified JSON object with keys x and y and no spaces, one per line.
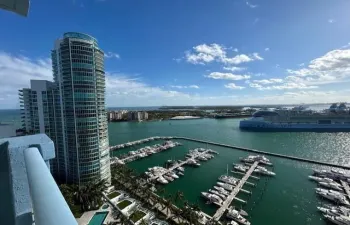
{"x":261,"y":126}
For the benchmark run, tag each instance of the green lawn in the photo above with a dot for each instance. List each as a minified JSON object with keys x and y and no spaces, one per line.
{"x":137,"y":215}
{"x":121,"y":205}
{"x":113,"y":195}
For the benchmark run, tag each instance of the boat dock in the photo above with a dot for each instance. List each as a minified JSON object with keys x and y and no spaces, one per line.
{"x":346,"y":188}
{"x":265,"y":153}
{"x":178,"y":165}
{"x":234,"y":192}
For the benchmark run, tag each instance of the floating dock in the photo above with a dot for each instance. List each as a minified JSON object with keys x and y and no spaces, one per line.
{"x":179,"y":164}
{"x":234,"y":192}
{"x":265,"y":153}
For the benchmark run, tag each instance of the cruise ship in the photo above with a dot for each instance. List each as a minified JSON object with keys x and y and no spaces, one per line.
{"x":299,"y":119}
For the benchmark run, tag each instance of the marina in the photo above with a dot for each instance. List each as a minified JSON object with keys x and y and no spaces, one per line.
{"x":144,"y":152}
{"x":290,"y":194}
{"x":191,"y":160}
{"x":334,"y":189}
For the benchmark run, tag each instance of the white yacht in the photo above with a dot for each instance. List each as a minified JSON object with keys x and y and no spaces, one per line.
{"x":336,"y":197}
{"x":221,"y":190}
{"x":321,"y":179}
{"x":332,"y":185}
{"x":202,"y":158}
{"x":234,"y":214}
{"x":264,"y":171}
{"x":181,"y":169}
{"x":241,"y":168}
{"x":340,"y":220}
{"x":162,"y":180}
{"x":225,"y":186}
{"x":228,"y":179}
{"x":329,"y":191}
{"x":180,"y":173}
{"x":335,"y":210}
{"x":168,"y":178}
{"x":232,"y":222}
{"x":173,"y":175}
{"x":212,"y":197}
{"x":257,"y":158}
{"x":223,"y":197}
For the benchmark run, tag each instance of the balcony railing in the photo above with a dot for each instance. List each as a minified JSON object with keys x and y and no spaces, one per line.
{"x":33,"y":196}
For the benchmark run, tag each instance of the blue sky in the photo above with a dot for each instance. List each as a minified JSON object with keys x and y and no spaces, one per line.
{"x":190,"y":52}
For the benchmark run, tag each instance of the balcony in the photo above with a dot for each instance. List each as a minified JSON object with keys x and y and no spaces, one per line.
{"x":29,"y":194}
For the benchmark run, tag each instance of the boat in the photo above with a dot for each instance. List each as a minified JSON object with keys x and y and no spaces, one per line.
{"x":257,"y":158}
{"x":336,"y":197}
{"x":241,"y":168}
{"x":335,"y":210}
{"x":340,"y":220}
{"x":181,"y":169}
{"x":162,"y":180}
{"x":264,"y":171}
{"x":298,"y":119}
{"x":180,"y":173}
{"x":202,"y":158}
{"x":332,"y":185}
{"x":234,"y":214}
{"x":221,"y":190}
{"x":228,"y":179}
{"x":223,"y":197}
{"x":212,"y":197}
{"x":321,"y":179}
{"x":173,"y":175}
{"x":225,"y":186}
{"x":168,"y":178}
{"x":232,"y":222}
{"x":333,"y":174}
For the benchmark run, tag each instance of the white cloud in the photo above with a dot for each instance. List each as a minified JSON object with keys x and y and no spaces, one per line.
{"x":194,"y":86}
{"x":203,"y":54}
{"x":331,"y":20}
{"x":333,"y":67}
{"x":233,"y":86}
{"x":183,"y":87}
{"x":227,"y":76}
{"x":16,"y":73}
{"x":251,"y":5}
{"x":268,"y":81}
{"x":109,"y":55}
{"x":257,"y":56}
{"x":267,"y":49}
{"x":235,"y":49}
{"x":233,"y":68}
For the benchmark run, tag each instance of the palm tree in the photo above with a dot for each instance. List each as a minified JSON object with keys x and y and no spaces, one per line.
{"x":178,"y":196}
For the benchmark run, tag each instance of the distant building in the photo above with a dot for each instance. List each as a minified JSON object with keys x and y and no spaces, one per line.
{"x":116,"y":115}
{"x":137,"y":115}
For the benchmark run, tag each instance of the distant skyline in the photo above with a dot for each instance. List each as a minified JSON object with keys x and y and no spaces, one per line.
{"x":199,"y":52}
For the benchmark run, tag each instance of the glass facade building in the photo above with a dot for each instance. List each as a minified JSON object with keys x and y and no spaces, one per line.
{"x":74,"y":116}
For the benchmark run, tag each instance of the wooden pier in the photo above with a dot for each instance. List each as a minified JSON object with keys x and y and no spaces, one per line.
{"x":346,"y":188}
{"x":178,"y":165}
{"x":233,"y":194}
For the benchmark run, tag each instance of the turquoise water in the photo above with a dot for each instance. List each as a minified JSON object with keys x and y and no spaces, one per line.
{"x":289,"y":198}
{"x":98,"y":218}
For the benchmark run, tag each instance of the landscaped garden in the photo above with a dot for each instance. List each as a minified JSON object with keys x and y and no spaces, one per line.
{"x":113,"y":194}
{"x":125,"y":203}
{"x":137,"y":215}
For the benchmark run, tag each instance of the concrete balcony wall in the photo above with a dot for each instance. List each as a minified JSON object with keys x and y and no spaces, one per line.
{"x":15,"y":193}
